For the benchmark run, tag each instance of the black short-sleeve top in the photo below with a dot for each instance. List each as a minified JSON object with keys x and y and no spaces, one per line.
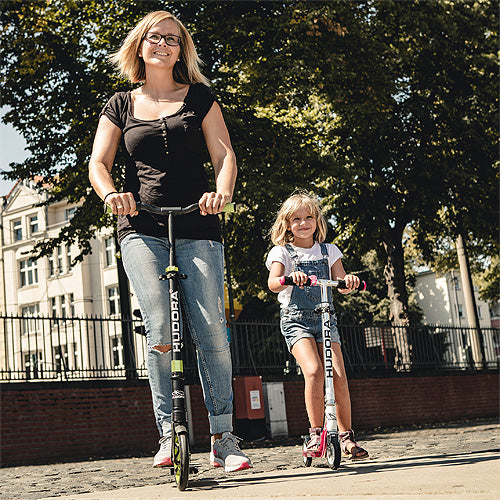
{"x":165,"y":164}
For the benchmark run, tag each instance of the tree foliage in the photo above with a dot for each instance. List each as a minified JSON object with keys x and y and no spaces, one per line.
{"x":387,"y":110}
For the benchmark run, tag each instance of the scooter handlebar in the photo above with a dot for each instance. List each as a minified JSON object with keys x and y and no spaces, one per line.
{"x":313,"y":280}
{"x":228,"y":208}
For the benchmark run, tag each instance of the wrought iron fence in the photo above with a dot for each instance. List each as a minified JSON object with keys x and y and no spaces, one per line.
{"x":49,"y":348}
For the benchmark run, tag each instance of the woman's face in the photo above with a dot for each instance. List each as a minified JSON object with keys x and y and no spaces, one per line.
{"x":161,"y":54}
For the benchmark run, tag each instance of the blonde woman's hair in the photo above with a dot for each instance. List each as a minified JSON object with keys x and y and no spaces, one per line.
{"x":131,"y":66}
{"x":280,"y":234}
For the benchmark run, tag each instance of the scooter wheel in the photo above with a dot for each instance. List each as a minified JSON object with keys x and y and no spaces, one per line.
{"x":181,"y":460}
{"x":333,"y":453}
{"x":307,"y":460}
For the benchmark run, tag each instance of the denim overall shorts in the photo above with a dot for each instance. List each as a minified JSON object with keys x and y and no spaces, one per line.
{"x":299,"y":320}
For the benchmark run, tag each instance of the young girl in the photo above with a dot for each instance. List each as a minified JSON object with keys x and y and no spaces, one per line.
{"x":298,"y":233}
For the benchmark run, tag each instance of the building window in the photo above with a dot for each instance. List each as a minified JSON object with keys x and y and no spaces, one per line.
{"x":68,"y":257}
{"x":65,"y":357}
{"x":460,"y":311}
{"x":110,"y":250}
{"x":33,"y":363}
{"x":17,"y":230}
{"x":53,"y":306}
{"x":457,"y":283}
{"x":59,"y":254}
{"x":33,"y":224}
{"x":29,"y":324}
{"x":28,"y":271}
{"x":52,"y":269}
{"x":74,"y":348}
{"x":60,"y":356}
{"x":479,"y":313}
{"x":64,"y":312}
{"x":113,"y":301}
{"x":117,"y":350}
{"x":71,"y":300}
{"x":69,"y":213}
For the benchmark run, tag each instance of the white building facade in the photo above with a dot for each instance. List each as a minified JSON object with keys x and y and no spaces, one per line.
{"x":441,"y":298}
{"x":442,"y":301}
{"x":50,"y":287}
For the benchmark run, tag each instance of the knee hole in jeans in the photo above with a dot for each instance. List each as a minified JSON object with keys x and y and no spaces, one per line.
{"x":164,"y":348}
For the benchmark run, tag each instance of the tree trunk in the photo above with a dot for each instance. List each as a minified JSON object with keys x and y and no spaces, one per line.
{"x":475,"y":335}
{"x":396,"y":291}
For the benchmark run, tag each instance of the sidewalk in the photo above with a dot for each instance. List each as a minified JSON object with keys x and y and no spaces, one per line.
{"x":453,"y":461}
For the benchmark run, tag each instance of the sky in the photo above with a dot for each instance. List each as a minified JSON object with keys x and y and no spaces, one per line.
{"x":12,"y":149}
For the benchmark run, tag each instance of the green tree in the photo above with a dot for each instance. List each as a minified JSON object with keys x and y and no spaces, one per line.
{"x":387,"y":110}
{"x":401,"y":103}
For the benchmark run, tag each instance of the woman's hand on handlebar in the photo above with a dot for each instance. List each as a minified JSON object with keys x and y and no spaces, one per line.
{"x":213,"y":203}
{"x":352,"y":282}
{"x":122,"y":204}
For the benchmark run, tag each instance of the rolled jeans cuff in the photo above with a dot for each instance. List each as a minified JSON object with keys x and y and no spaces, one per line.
{"x":220,"y":423}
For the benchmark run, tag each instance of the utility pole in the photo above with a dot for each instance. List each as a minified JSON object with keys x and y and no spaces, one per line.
{"x":470,"y":304}
{"x":126,"y":315}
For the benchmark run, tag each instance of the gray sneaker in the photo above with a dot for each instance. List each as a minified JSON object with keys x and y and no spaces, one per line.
{"x":162,"y":458}
{"x":226,"y":453}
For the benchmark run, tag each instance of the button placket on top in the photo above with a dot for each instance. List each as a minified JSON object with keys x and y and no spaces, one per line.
{"x":164,"y":133}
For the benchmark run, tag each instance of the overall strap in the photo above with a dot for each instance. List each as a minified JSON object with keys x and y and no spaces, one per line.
{"x":292,"y":252}
{"x":293,"y":255}
{"x":324,"y":251}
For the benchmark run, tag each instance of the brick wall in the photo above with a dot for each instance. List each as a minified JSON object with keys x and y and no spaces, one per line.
{"x":386,"y":402}
{"x":54,"y":422}
{"x":421,"y":400}
{"x":43,"y":423}
{"x":199,"y":417}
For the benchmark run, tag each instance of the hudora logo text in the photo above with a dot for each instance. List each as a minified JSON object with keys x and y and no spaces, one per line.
{"x":328,"y":349}
{"x":176,"y":322}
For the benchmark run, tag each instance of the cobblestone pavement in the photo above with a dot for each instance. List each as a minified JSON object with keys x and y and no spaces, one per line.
{"x":47,"y":481}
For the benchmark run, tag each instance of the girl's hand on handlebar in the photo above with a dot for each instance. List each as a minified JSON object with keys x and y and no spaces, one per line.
{"x":212,"y":203}
{"x":352,"y":282}
{"x":122,"y":204}
{"x":299,"y":278}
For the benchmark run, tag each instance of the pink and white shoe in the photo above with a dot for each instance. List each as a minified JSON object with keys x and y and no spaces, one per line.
{"x":226,"y":453}
{"x":162,"y":458}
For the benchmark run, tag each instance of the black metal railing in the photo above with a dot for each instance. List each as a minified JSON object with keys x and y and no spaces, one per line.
{"x":63,"y":349}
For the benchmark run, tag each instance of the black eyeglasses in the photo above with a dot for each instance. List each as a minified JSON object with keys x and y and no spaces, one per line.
{"x":172,"y":40}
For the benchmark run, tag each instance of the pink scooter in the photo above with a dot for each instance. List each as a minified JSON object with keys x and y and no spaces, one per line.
{"x":329,"y":445}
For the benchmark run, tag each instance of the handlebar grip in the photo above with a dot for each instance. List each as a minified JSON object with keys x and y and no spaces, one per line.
{"x":342,"y":286}
{"x":286,"y":280}
{"x":228,"y":208}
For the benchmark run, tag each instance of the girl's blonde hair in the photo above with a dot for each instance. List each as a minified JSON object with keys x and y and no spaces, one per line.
{"x":131,"y":66}
{"x":280,"y":234}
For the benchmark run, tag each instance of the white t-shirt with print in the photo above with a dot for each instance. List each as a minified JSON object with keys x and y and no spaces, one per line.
{"x":280,"y":254}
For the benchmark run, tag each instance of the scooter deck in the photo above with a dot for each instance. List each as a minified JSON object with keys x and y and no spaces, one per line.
{"x":320,"y":452}
{"x":193,"y":469}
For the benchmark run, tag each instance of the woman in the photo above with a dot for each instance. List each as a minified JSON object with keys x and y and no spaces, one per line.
{"x":163,"y":127}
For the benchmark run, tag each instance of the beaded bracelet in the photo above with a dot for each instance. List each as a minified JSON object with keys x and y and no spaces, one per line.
{"x":111,"y":192}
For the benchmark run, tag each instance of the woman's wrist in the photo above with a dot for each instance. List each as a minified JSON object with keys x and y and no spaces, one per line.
{"x":110,"y":193}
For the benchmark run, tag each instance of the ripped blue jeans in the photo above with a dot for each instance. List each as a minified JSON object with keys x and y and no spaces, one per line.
{"x":144,"y":259}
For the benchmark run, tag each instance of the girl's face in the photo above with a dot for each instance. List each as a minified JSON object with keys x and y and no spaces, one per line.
{"x":162,"y":54}
{"x":303,"y":226}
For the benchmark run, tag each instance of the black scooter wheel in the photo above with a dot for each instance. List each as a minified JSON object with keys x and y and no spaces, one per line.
{"x":180,"y":460}
{"x":307,"y":460}
{"x":333,"y":453}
